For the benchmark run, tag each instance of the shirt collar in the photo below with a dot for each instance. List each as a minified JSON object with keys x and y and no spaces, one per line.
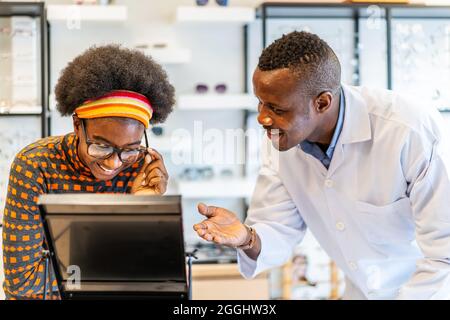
{"x":308,"y":147}
{"x":339,"y":125}
{"x":356,"y":127}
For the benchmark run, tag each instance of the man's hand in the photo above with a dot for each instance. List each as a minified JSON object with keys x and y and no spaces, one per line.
{"x":222,"y":227}
{"x":153,"y":177}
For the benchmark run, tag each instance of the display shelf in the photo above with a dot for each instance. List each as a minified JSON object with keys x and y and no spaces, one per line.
{"x":37,"y":12}
{"x":235,"y":15}
{"x":169,"y":55}
{"x":94,"y":13}
{"x":216,"y":188}
{"x":21,"y":9}
{"x":18,"y":111}
{"x":217,"y":102}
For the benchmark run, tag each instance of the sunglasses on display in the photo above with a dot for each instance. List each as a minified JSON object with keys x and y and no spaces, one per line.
{"x":193,"y":174}
{"x":204,"y":88}
{"x":204,"y":173}
{"x":222,"y":3}
{"x":150,"y":46}
{"x":103,"y":151}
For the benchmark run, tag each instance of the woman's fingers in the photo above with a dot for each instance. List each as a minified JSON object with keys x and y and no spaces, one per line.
{"x":153,"y":174}
{"x":155,"y":179}
{"x":157,"y":161}
{"x":158,"y":165}
{"x":155,"y":154}
{"x":147,"y":161}
{"x":142,"y":173}
{"x":156,"y":172}
{"x":154,"y":160}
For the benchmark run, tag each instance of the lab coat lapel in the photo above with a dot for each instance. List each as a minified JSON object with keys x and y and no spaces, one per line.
{"x":337,"y":160}
{"x":356,"y":126}
{"x":307,"y":158}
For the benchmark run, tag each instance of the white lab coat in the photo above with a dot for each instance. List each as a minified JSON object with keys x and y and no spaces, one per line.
{"x":381,"y":211}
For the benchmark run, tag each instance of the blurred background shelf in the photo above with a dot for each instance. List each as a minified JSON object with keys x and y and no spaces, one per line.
{"x":235,"y":15}
{"x":169,"y":55}
{"x":217,"y":102}
{"x":25,"y":110}
{"x":170,"y":144}
{"x":216,"y":188}
{"x":87,"y":13}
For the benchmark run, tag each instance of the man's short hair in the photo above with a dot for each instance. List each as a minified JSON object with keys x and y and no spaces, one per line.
{"x":309,"y":57}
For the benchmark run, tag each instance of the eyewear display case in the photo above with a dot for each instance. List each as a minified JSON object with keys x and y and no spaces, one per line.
{"x":24,"y":63}
{"x":405,"y":48}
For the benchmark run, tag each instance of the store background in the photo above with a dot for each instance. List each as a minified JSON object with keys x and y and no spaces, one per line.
{"x":216,"y":52}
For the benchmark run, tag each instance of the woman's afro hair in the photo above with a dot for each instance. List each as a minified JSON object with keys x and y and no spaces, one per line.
{"x":100,"y":70}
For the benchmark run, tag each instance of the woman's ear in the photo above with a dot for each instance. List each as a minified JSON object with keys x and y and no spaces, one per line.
{"x":76,"y":125}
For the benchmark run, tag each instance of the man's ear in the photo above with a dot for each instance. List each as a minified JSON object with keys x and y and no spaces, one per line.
{"x":323,"y":101}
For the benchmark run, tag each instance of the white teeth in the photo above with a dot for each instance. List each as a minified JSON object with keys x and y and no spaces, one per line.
{"x":104,"y":169}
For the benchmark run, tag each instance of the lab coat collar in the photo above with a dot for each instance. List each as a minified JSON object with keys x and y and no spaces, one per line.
{"x":357,"y":122}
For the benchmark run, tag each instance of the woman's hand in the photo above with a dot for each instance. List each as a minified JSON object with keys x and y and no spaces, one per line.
{"x":153,"y":177}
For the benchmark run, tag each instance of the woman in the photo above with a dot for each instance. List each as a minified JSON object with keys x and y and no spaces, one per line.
{"x":113,"y":94}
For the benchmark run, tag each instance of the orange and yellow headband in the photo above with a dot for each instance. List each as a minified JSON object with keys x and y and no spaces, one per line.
{"x":118,"y":103}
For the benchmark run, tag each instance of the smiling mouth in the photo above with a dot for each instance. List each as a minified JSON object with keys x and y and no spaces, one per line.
{"x":274,"y":133}
{"x":106,"y":171}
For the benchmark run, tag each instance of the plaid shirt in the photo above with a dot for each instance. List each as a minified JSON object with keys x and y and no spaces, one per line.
{"x":50,"y":165}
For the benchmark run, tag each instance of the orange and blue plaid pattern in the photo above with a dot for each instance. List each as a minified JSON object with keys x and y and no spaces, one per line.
{"x":50,"y":165}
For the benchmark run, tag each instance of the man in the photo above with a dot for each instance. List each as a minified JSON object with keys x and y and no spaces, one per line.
{"x":367,"y":171}
{"x":113,"y":94}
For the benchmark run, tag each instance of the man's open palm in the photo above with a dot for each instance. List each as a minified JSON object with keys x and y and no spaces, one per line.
{"x":221,"y":226}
